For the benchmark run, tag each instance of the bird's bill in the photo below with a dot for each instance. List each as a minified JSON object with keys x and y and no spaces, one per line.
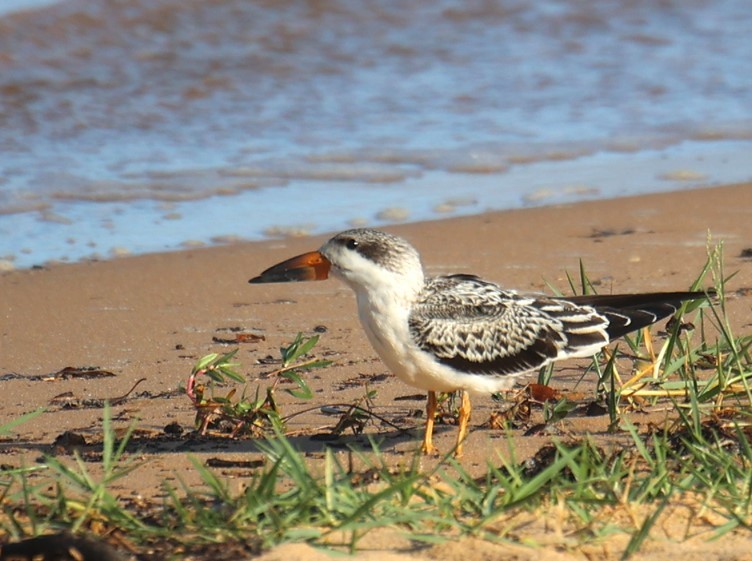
{"x":307,"y":267}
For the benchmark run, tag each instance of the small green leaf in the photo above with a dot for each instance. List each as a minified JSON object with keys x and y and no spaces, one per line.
{"x":288,"y":353}
{"x":303,"y":391}
{"x":306,"y":346}
{"x":560,"y":410}
{"x":314,"y":364}
{"x":215,"y":375}
{"x":227,"y":356}
{"x":230,"y":373}
{"x":204,"y":362}
{"x":298,"y":348}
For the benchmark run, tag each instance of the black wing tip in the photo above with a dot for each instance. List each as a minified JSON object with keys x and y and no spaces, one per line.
{"x":699,"y":294}
{"x":627,"y":313}
{"x":637,"y":299}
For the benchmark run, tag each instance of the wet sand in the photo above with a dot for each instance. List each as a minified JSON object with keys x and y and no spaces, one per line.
{"x":153,"y":316}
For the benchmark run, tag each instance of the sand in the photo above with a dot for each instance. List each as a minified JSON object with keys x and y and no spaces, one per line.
{"x":153,"y":316}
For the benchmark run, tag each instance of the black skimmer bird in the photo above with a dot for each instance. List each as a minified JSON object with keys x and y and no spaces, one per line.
{"x":460,"y":332}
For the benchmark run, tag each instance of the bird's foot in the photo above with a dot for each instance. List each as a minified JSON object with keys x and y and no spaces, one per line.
{"x":427,"y":448}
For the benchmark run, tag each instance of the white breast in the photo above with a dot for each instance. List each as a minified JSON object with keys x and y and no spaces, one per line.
{"x":384,"y":319}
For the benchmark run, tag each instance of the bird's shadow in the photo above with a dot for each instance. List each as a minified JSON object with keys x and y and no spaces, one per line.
{"x":89,"y":445}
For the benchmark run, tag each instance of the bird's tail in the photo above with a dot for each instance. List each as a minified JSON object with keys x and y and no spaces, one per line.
{"x":630,"y":312}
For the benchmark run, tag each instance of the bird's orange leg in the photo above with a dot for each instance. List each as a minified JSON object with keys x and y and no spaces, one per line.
{"x":427,"y":446}
{"x":647,"y":337}
{"x":462,"y":421}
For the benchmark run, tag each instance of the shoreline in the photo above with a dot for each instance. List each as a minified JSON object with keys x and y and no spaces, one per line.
{"x":79,"y":231}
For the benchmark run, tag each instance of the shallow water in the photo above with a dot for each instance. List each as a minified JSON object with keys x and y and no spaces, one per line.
{"x":144,"y":125}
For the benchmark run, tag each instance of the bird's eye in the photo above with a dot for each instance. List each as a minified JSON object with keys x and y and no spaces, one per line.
{"x":351,"y":244}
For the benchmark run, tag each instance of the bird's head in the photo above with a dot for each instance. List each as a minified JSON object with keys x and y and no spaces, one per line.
{"x":365,"y":259}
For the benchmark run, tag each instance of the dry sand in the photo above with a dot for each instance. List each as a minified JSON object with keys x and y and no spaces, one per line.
{"x":152,"y":316}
